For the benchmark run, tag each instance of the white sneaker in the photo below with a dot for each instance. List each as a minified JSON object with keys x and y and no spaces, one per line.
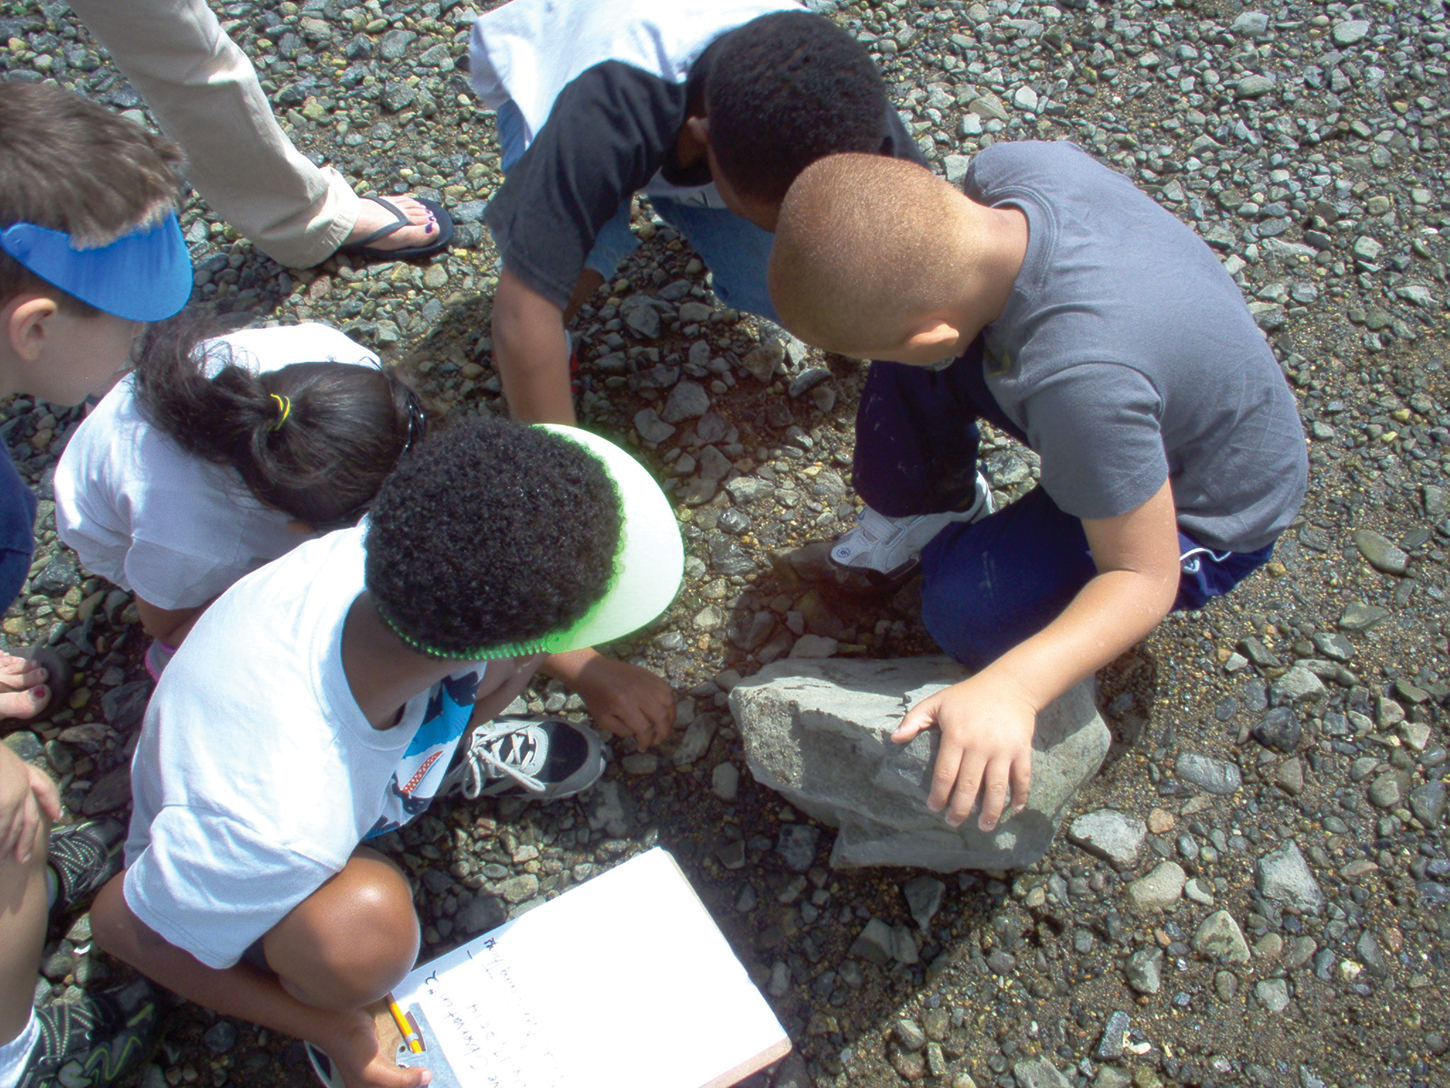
{"x":891,"y":546}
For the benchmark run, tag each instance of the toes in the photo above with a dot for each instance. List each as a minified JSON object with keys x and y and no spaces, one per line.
{"x":24,"y":704}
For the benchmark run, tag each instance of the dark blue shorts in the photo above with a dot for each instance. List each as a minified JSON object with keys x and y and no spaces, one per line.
{"x":17,"y":530}
{"x":990,"y":585}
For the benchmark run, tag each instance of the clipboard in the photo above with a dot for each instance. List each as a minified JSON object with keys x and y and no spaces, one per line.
{"x":624,"y":981}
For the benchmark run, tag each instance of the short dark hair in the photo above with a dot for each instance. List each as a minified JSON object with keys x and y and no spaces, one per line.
{"x":322,"y":460}
{"x":491,"y":532}
{"x":67,"y":164}
{"x":785,"y":90}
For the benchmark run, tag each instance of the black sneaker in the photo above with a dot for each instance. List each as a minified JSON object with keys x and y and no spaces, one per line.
{"x":91,"y":1042}
{"x":526,"y":758}
{"x":84,"y":857}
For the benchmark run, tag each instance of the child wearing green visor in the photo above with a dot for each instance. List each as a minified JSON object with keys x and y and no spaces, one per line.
{"x":250,"y":887}
{"x":90,"y":250}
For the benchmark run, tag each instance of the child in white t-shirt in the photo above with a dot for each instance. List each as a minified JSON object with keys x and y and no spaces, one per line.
{"x":250,"y":887}
{"x":218,"y":455}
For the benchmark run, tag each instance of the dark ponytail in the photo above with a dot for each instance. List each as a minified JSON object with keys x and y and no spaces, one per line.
{"x":314,"y":440}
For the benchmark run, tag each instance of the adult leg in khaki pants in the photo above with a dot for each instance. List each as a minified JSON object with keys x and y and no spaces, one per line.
{"x":204,"y":92}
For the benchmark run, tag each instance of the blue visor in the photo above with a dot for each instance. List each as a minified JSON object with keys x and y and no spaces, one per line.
{"x":144,"y":276}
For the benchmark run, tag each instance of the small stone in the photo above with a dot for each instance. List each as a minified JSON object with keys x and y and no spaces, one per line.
{"x":725,"y":781}
{"x":1359,"y":616}
{"x":1278,"y":729}
{"x":1283,"y":876}
{"x":1159,"y":890}
{"x":220,"y":1037}
{"x":1351,"y":32}
{"x":1144,"y":970}
{"x":1289,"y":776}
{"x":909,"y":1035}
{"x":1216,"y":776}
{"x":1273,"y":994}
{"x":481,"y":914}
{"x":797,"y":845}
{"x":814,"y":646}
{"x":1219,"y":936}
{"x":874,"y":944}
{"x":1388,"y":790}
{"x":1298,"y":684}
{"x":1110,"y":835}
{"x":1038,"y":1073}
{"x":1253,"y":86}
{"x":1114,"y":1038}
{"x":517,"y":889}
{"x":1025,"y":98}
{"x":923,"y":899}
{"x":651,"y":428}
{"x":1427,"y":802}
{"x":640,"y":763}
{"x":1250,"y":24}
{"x":687,"y":400}
{"x":1380,"y":552}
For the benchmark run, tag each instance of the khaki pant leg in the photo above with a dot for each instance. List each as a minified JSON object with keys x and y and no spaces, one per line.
{"x":205,"y":94}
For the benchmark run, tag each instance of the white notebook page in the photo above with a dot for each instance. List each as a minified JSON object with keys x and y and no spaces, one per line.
{"x":622,"y":982}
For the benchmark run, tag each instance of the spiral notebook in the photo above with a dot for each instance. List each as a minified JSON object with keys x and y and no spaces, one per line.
{"x":622,"y":982}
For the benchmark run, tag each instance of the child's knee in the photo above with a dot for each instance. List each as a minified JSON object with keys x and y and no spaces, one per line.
{"x":351,"y":941}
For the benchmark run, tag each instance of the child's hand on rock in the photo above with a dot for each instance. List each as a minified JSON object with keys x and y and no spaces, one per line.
{"x":986,"y":747}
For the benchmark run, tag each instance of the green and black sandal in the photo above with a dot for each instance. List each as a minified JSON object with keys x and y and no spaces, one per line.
{"x":93,"y":1041}
{"x":84,"y":857}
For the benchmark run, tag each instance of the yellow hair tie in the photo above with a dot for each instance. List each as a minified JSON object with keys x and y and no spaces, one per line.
{"x":284,"y":403}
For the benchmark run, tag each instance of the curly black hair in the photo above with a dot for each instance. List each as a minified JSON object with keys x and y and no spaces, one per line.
{"x":491,"y":532}
{"x":784,"y":90}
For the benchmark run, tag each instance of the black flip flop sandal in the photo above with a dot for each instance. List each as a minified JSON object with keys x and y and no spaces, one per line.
{"x":60,"y":681}
{"x":364,"y":247}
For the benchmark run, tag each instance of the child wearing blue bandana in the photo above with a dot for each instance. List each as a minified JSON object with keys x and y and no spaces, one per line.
{"x":90,"y":250}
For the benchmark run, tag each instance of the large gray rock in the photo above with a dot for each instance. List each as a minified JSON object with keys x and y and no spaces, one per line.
{"x":820,"y":733}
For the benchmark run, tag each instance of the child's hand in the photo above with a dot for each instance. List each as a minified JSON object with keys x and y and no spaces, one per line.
{"x":26,"y":794}
{"x":986,"y":746}
{"x":627,"y":700}
{"x":359,"y":1057}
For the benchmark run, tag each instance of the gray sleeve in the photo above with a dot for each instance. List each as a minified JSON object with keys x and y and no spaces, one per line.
{"x":1097,"y":428}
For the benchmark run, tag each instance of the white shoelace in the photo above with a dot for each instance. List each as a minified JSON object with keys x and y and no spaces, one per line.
{"x":483,"y":763}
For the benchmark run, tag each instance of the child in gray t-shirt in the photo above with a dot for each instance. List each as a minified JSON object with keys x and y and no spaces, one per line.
{"x":1056,"y":300}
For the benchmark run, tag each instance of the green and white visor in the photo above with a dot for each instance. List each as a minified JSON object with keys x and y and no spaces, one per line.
{"x":648,"y":565}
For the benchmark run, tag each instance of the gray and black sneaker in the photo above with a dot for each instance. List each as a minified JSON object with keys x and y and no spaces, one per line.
{"x":524,"y":757}
{"x":84,"y":857}
{"x":93,"y":1041}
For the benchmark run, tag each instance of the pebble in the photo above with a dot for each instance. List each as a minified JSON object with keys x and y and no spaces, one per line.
{"x":1380,"y":553}
{"x":1216,"y":776}
{"x":1110,"y":835}
{"x":797,"y":845}
{"x":1283,"y":876}
{"x":1144,"y":970}
{"x":1159,"y":890}
{"x":1273,"y":994}
{"x":1219,"y":937}
{"x":725,"y":781}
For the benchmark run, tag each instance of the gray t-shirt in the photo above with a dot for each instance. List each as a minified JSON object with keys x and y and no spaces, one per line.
{"x":1127,"y":356}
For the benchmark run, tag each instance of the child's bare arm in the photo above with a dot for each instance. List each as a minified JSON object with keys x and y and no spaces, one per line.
{"x":347,"y":1036}
{"x":168,"y":624}
{"x":531,"y":353}
{"x":623,"y":699}
{"x":987,"y":721}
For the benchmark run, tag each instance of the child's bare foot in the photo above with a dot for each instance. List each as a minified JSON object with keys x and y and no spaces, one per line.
{"x":24,"y":692}
{"x":403,"y":225}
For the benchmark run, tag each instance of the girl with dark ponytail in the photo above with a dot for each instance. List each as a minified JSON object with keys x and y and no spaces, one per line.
{"x":219,"y":454}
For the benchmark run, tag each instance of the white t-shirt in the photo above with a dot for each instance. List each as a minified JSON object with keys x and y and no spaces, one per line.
{"x":174,"y":529}
{"x":256,"y":774}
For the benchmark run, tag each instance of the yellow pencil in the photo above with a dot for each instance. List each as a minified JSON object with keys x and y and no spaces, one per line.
{"x":409,"y":1035}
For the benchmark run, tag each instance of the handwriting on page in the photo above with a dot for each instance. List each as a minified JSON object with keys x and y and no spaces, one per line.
{"x":492,"y":1022}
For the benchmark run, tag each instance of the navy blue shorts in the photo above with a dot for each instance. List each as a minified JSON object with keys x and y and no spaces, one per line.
{"x":990,"y":585}
{"x":17,"y":530}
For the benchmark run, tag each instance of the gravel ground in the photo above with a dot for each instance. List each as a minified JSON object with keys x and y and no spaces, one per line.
{"x":1265,"y":901}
